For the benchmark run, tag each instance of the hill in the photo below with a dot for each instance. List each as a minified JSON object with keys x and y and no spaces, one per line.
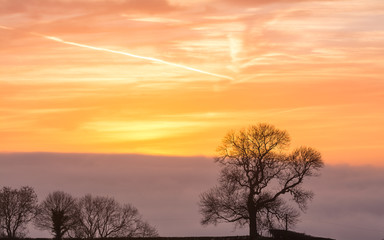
{"x":289,"y":235}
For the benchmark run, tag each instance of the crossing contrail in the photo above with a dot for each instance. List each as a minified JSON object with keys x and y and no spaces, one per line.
{"x":126,"y":54}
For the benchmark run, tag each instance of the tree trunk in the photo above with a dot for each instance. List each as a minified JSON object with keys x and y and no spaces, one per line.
{"x":252,"y":229}
{"x":253,"y":234}
{"x":57,"y":221}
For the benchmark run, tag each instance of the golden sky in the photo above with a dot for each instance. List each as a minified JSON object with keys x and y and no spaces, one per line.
{"x":172,"y":77}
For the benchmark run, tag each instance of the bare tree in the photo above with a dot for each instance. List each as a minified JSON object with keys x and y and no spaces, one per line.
{"x":105,"y":217}
{"x":144,"y":229}
{"x":17,"y":208}
{"x":88,"y":217}
{"x":58,"y":213}
{"x":258,"y":180}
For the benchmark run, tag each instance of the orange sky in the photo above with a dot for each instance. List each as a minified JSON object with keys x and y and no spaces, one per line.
{"x":314,"y":68}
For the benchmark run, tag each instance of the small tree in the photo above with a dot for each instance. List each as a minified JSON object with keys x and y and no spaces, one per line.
{"x":17,"y":208}
{"x":58,"y":213}
{"x":256,"y":174}
{"x":104,"y":217}
{"x":144,"y":229}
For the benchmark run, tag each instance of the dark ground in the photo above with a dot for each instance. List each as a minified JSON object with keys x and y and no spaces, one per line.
{"x":276,"y":235}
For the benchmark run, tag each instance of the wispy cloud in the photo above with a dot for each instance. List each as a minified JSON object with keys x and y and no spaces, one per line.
{"x":152,"y":19}
{"x":6,"y":28}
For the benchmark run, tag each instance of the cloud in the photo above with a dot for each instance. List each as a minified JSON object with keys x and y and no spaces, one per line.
{"x":347,"y":204}
{"x":164,"y":189}
{"x":35,"y":7}
{"x":253,"y":3}
{"x":151,"y":6}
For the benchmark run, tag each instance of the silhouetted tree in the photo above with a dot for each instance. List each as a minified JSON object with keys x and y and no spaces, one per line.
{"x":88,"y":218}
{"x":17,"y":208}
{"x":144,"y":229}
{"x":58,"y":213}
{"x":105,"y":217}
{"x":255,"y":178}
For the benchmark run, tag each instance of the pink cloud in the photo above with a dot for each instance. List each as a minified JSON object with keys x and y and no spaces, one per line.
{"x":39,"y":7}
{"x":254,"y":3}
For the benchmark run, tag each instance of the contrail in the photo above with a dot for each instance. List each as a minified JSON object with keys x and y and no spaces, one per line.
{"x":136,"y":56}
{"x":125,"y":53}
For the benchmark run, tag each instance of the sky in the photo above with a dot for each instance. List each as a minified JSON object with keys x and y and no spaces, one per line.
{"x":313,"y":68}
{"x":169,"y":78}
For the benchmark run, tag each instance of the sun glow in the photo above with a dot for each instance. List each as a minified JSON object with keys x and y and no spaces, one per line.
{"x":142,"y":130}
